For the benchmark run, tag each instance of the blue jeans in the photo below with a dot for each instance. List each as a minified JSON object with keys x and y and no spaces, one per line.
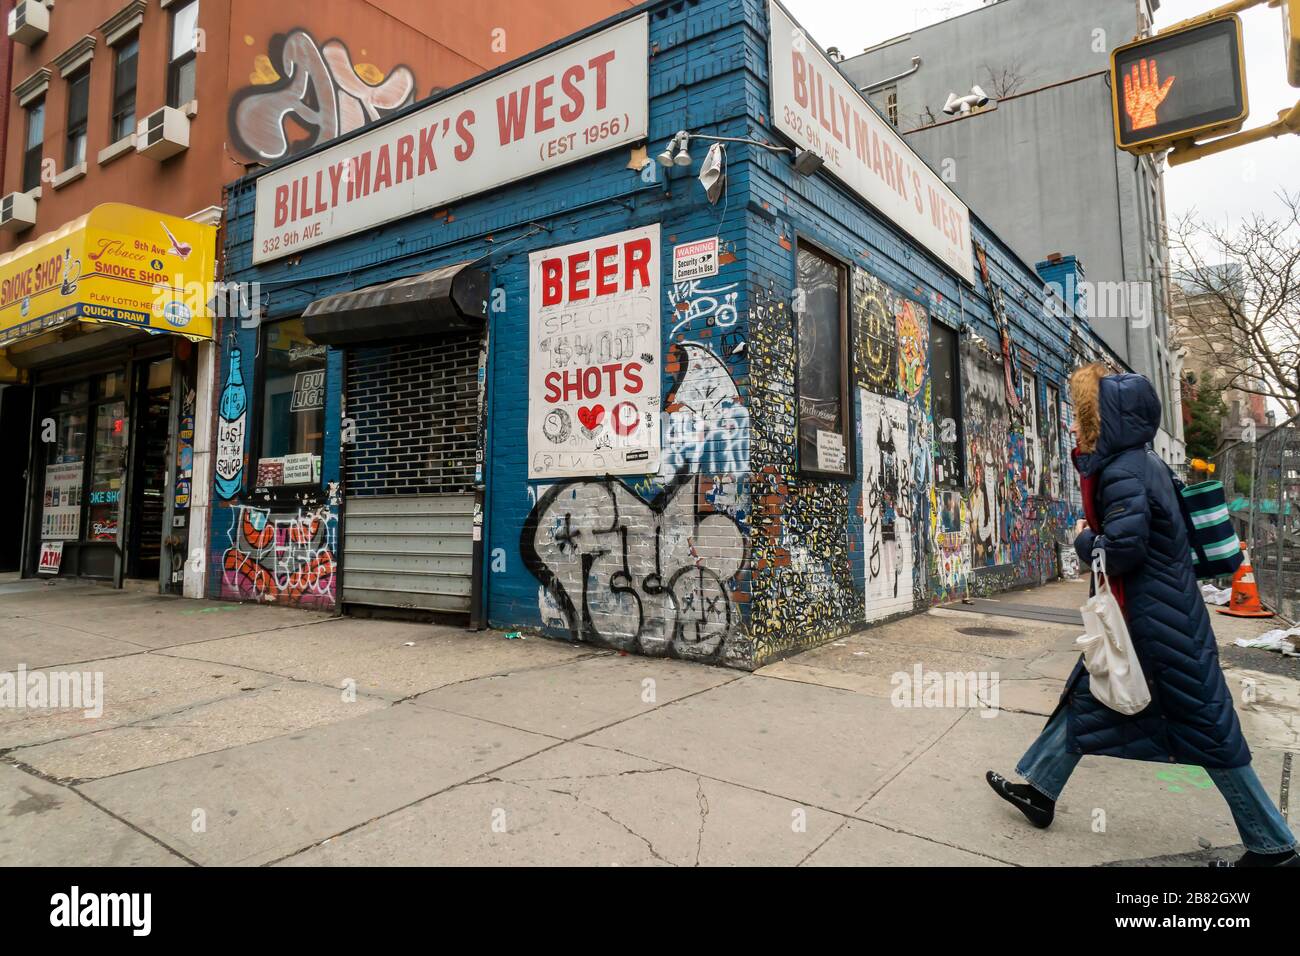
{"x":1047,"y":765}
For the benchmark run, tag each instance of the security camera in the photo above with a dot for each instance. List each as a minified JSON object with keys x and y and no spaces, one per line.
{"x":963,"y":104}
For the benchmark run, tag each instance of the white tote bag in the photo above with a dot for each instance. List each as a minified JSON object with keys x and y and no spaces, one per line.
{"x":1115,"y":674}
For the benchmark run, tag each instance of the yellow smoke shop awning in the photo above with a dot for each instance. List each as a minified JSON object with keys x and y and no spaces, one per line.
{"x":119,"y":265}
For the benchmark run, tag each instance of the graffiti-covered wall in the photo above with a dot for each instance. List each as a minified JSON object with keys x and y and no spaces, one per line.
{"x":645,"y":390}
{"x":272,"y":542}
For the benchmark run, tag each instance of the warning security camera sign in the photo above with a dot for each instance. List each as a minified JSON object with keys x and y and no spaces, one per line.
{"x":695,"y":260}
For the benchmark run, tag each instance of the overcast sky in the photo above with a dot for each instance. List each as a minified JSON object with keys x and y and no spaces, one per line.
{"x":1224,"y":187}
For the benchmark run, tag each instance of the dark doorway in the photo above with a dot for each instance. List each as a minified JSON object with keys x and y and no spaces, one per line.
{"x":152,"y":444}
{"x":15,"y":427}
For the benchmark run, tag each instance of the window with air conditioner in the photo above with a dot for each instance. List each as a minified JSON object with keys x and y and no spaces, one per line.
{"x":126,"y":57}
{"x":29,"y":22}
{"x":17,"y":212}
{"x":181,"y":64}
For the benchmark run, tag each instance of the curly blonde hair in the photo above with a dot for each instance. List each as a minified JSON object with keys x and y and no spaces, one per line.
{"x":1084,"y":383}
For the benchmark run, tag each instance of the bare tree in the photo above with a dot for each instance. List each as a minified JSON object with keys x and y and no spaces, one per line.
{"x":1004,"y":81}
{"x":920,"y":120}
{"x":1249,"y":275}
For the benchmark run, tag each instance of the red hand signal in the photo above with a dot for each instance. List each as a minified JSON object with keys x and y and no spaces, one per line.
{"x":1143,"y":94}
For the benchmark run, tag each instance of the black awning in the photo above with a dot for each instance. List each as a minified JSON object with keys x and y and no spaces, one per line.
{"x":450,"y":299}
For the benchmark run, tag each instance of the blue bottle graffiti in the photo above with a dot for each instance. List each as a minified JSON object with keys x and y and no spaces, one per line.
{"x":232,"y":414}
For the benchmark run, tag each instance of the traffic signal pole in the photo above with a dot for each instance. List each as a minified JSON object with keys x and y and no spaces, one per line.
{"x":1288,"y":121}
{"x":1236,"y":6}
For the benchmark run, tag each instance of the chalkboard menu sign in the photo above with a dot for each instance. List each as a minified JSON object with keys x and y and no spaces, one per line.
{"x":822,"y":345}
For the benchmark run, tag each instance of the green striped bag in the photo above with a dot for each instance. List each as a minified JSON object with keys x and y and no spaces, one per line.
{"x":1216,"y":549}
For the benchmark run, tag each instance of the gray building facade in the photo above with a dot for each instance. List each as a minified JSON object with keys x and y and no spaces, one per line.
{"x":1038,"y":162}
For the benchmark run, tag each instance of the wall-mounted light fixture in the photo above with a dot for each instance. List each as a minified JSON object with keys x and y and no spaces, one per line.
{"x":806,"y":162}
{"x":677,"y":152}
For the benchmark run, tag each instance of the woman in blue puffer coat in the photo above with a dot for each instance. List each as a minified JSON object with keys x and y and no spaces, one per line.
{"x":1136,"y":520}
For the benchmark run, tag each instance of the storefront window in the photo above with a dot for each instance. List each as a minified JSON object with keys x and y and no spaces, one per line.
{"x":108,"y":471}
{"x":69,"y":445}
{"x":65,"y":465}
{"x":293,"y":407}
{"x":822,"y":346}
{"x":945,"y":406}
{"x":112,"y":384}
{"x":74,"y":393}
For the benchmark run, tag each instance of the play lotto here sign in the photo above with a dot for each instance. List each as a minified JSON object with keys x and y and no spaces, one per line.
{"x":583,"y":99}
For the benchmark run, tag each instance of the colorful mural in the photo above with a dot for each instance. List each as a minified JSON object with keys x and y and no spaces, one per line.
{"x":286,"y":558}
{"x":888,"y":506}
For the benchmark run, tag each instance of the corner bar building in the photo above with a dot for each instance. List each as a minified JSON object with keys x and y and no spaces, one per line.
{"x":514,"y":370}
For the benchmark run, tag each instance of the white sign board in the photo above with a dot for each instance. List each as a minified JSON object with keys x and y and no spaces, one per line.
{"x":695,"y":260}
{"x":51,"y":557}
{"x":814,"y":105}
{"x":299,"y":469}
{"x":583,"y":99}
{"x":594,"y":364}
{"x":61,"y":508}
{"x":830,"y":451}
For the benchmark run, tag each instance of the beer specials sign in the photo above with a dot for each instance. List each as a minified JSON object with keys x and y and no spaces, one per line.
{"x":583,"y":99}
{"x":820,"y":110}
{"x":594,"y":357}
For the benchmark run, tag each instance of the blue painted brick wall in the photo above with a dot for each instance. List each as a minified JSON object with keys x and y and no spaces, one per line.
{"x":708,"y":73}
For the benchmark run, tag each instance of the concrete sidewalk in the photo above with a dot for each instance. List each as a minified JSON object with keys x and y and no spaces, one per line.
{"x":241,"y":734}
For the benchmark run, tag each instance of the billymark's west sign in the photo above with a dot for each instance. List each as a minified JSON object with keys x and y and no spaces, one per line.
{"x":820,"y":110}
{"x":582,"y":99}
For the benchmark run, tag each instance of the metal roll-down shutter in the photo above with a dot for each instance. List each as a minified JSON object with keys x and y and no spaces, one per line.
{"x":409,"y":483}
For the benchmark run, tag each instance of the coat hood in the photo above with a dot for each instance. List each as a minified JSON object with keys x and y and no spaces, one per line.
{"x":1129,"y":410}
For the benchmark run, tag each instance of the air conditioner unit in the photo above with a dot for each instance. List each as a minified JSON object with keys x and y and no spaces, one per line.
{"x":163,"y":133}
{"x":29,"y":22}
{"x":17,"y":212}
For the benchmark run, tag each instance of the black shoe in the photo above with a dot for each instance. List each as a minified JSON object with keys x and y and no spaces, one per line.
{"x":1037,"y":807}
{"x":1251,"y":858}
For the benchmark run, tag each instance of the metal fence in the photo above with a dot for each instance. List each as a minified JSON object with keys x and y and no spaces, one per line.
{"x":1261,"y":479}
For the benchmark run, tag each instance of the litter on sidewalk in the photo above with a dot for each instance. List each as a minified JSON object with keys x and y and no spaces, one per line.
{"x":1285,"y":641}
{"x":1215,"y":595}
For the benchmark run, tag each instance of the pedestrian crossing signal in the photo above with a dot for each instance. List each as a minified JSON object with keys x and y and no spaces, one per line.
{"x":1179,"y":86}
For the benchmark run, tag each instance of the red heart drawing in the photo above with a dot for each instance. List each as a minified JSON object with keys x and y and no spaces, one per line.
{"x":591,"y":416}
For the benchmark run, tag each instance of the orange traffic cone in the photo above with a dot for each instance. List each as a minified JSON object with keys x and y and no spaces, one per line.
{"x":1245,"y":593}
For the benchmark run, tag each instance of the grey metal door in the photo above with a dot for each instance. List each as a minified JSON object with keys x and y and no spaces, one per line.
{"x":409,"y":551}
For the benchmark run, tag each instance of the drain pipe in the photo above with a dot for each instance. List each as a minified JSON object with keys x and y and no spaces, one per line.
{"x":870,"y":87}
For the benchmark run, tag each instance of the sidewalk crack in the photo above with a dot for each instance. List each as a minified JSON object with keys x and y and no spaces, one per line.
{"x":703,"y":801}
